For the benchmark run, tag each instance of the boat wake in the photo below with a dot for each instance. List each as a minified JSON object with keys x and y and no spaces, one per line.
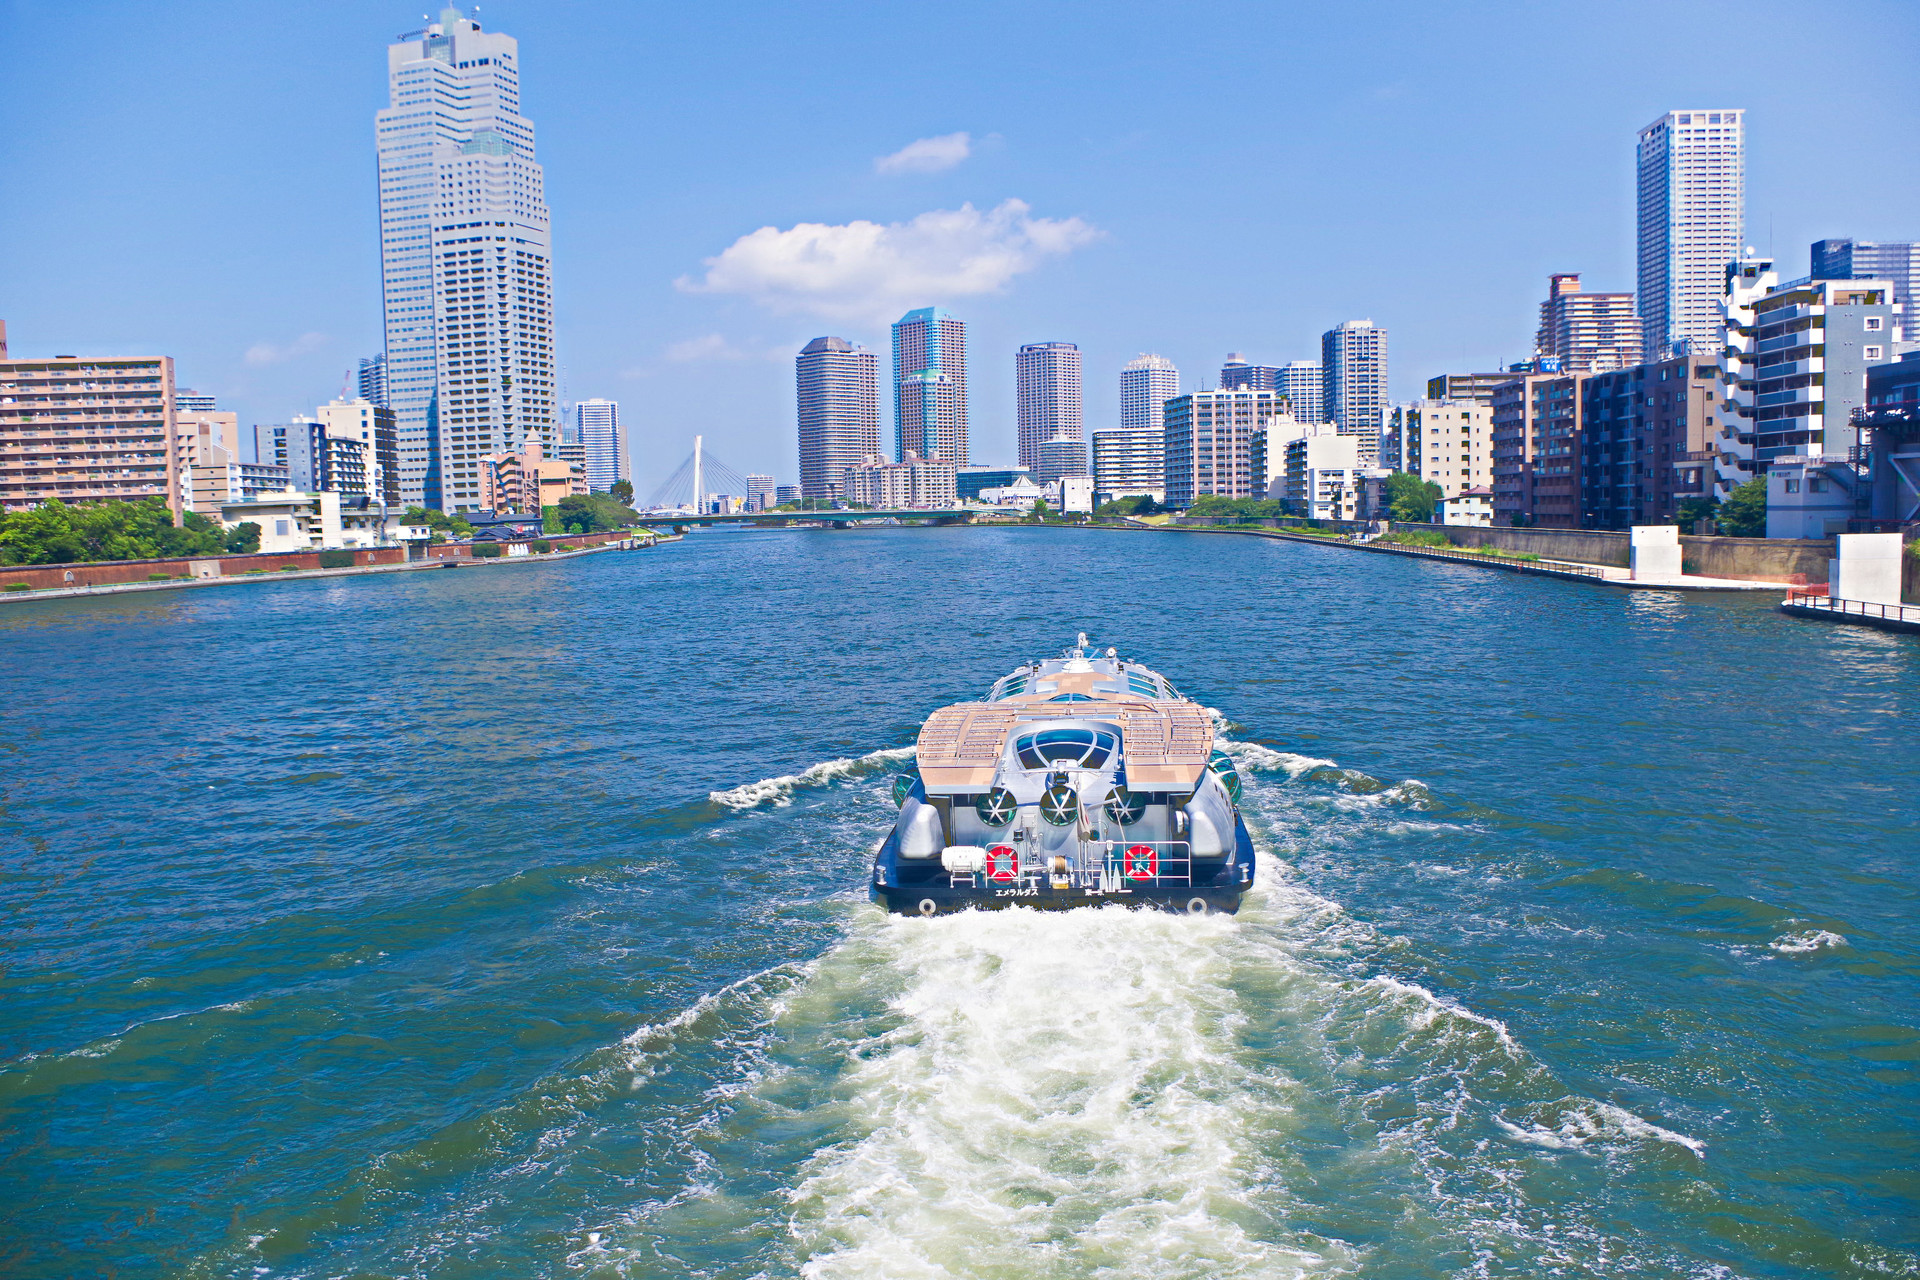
{"x":781,"y":790}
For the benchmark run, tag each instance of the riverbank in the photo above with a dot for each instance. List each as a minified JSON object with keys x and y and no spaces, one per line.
{"x":173,"y":583}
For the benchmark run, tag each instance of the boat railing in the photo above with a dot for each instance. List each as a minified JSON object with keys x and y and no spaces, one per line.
{"x":1108,"y":866}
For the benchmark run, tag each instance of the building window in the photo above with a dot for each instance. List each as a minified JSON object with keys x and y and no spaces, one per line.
{"x":1874,"y":323}
{"x":1871,"y":353}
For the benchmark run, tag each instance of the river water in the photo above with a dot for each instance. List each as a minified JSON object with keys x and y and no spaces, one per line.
{"x":512,"y":922}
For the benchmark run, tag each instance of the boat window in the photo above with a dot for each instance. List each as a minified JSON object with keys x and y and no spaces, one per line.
{"x":1072,"y":697}
{"x":1145,"y":686}
{"x":1065,"y":749}
{"x":1010,"y":687}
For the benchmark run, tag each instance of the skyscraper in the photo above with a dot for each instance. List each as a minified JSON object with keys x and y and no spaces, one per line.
{"x":603,"y":443}
{"x":1870,"y":260}
{"x":1691,"y":188}
{"x":1047,"y":382}
{"x":1353,"y":364}
{"x":1300,"y":382}
{"x":1587,"y":332}
{"x":1146,"y":384}
{"x":373,"y":380}
{"x":838,"y":388}
{"x":930,"y":386}
{"x":465,"y":264}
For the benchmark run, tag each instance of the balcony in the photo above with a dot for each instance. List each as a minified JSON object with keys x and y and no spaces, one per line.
{"x":1812,"y":397}
{"x":1792,"y":368}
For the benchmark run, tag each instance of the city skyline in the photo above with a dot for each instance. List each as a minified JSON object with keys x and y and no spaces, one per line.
{"x":1468,"y":265}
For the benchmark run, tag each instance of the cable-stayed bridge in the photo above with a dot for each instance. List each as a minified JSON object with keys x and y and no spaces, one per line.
{"x":682,"y":500}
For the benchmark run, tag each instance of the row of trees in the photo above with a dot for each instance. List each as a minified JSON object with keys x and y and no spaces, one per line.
{"x":55,"y":533}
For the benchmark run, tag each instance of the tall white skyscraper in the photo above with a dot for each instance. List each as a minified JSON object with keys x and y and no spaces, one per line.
{"x":1047,"y":395}
{"x":837,"y":394}
{"x":603,"y":443}
{"x":1692,"y":190}
{"x":1353,"y":380}
{"x":465,"y":261}
{"x":1146,"y":384}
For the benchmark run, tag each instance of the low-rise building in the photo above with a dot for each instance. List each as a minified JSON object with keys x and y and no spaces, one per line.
{"x":1470,"y":507}
{"x":529,"y":481}
{"x":1891,"y":424}
{"x":296,"y":521}
{"x":785,"y":493}
{"x":970,"y":482}
{"x":1060,"y":455}
{"x":1467,"y":386}
{"x":1073,"y":494}
{"x":1021,"y":495}
{"x":372,"y":427}
{"x":913,"y":483}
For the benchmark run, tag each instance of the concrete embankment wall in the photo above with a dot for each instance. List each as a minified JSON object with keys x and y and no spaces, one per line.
{"x":43,"y":577}
{"x":1789,"y":561}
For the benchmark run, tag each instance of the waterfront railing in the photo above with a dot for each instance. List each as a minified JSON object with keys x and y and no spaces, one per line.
{"x":1906,"y":613}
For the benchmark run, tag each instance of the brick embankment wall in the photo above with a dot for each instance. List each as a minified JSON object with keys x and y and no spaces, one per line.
{"x":41,"y":577}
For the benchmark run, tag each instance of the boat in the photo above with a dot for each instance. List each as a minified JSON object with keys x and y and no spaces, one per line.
{"x":1079,"y":781}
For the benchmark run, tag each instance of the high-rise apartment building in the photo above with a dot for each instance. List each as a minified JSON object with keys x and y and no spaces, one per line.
{"x":1047,"y":390}
{"x":930,"y":386}
{"x":465,"y":261}
{"x":1898,"y":261}
{"x":1238,"y":375}
{"x":1146,"y":384}
{"x":1128,"y":463}
{"x":187,"y":400}
{"x":1587,"y":332}
{"x":1814,"y":342}
{"x":603,"y":445}
{"x":373,"y":426}
{"x":1061,"y":456}
{"x":1353,"y":363}
{"x":1692,"y":189}
{"x":373,"y":380}
{"x":316,"y":460}
{"x":88,"y":430}
{"x":1302,"y":383}
{"x":838,"y":387}
{"x":1466,"y":386}
{"x":911,"y":484}
{"x":1209,"y":443}
{"x":1538,"y":451}
{"x":759,"y":491}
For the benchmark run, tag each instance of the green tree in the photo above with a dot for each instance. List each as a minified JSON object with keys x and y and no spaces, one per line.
{"x":1744,"y":514}
{"x":593,"y":513}
{"x":1694,"y":510}
{"x":621,"y":491}
{"x":53,"y":533}
{"x":243,"y":539}
{"x":1410,"y":499}
{"x":1040,"y":509}
{"x":1214,"y":505}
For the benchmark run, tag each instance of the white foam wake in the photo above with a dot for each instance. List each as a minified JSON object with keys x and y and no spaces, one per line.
{"x":780,"y":791}
{"x":1059,"y":1094}
{"x":1798,"y":944}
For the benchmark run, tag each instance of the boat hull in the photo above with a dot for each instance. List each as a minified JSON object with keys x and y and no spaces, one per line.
{"x":935,"y":895}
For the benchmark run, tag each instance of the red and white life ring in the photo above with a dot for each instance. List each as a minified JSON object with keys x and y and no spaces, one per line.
{"x":1003,"y":864}
{"x":1142,"y":862}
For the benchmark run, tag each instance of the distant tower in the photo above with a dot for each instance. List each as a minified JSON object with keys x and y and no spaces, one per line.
{"x":1237,"y":375}
{"x":373,"y":380}
{"x":1587,"y":332}
{"x":1871,"y":260}
{"x":1691,"y":192}
{"x":1047,"y":382}
{"x":465,"y":265}
{"x":1300,"y":382}
{"x":838,"y":387}
{"x":1353,"y":379}
{"x":1146,"y":384}
{"x":602,"y":441}
{"x":930,"y":386}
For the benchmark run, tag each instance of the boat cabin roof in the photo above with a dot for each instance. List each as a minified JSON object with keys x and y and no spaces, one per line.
{"x":1165,"y":739}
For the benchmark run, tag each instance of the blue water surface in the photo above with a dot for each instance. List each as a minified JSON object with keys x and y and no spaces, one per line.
{"x":511,"y":921}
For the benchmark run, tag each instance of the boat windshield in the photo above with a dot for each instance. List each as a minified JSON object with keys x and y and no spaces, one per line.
{"x":1065,"y":749}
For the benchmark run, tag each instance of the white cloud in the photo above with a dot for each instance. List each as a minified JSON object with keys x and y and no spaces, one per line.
{"x":928,"y":155}
{"x":869,"y":273}
{"x":266,"y":353}
{"x":709,"y":347}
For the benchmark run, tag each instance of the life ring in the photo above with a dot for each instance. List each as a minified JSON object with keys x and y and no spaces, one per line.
{"x":1141,"y":862}
{"x":1003,"y":864}
{"x":928,"y":906}
{"x":1196,"y":906}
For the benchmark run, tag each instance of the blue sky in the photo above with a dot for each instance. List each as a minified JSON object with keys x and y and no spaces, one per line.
{"x":197,"y":179}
